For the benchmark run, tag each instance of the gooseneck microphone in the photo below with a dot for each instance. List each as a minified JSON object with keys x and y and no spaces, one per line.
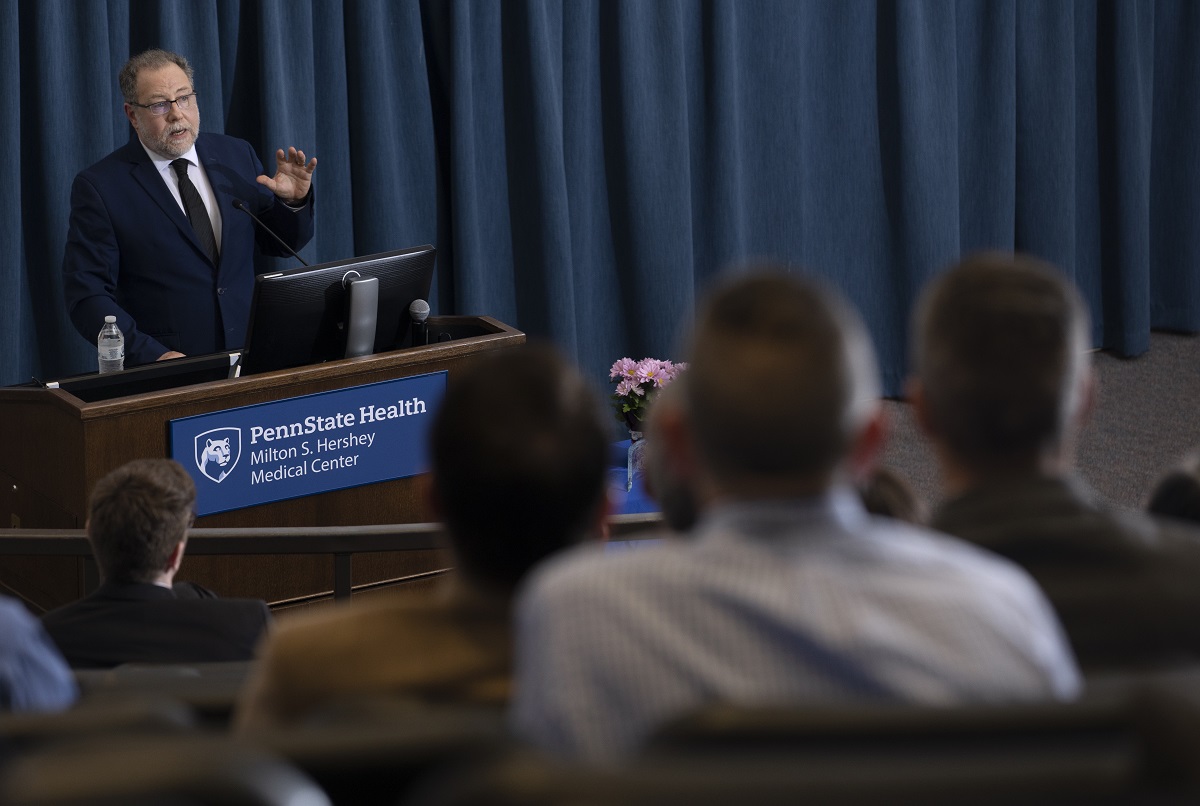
{"x":241,"y":205}
{"x":418,"y":311}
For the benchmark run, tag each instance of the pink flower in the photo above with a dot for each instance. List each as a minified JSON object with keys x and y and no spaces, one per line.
{"x":624,"y":368}
{"x":629,"y":386}
{"x":651,"y":370}
{"x":672,"y":371}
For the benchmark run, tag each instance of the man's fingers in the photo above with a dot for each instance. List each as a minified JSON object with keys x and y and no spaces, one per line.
{"x":296,"y":157}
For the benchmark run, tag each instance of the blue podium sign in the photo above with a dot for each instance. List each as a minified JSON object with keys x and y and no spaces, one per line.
{"x":307,"y":445}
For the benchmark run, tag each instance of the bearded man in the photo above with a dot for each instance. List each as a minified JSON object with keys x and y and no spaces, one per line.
{"x":156,"y":238}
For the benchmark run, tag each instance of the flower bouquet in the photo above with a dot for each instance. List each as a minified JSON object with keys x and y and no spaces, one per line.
{"x":638,"y":382}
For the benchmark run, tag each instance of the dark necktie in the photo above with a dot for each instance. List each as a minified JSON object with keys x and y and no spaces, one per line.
{"x":197,"y":213}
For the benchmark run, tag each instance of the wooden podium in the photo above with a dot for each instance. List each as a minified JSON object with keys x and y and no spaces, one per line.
{"x":57,"y":446}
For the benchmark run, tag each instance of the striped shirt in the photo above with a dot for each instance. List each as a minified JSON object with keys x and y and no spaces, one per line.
{"x":794,"y":601}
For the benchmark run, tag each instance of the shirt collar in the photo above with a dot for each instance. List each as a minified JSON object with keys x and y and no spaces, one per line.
{"x":161,"y":164}
{"x":839,"y":509}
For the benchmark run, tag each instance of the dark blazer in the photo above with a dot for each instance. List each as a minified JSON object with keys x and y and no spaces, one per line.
{"x":1126,"y":586}
{"x":143,"y":623}
{"x":131,"y":252}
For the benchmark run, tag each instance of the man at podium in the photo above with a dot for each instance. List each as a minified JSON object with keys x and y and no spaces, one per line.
{"x":159,"y":235}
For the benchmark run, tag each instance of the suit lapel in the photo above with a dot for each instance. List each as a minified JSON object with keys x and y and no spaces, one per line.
{"x":146,"y":175}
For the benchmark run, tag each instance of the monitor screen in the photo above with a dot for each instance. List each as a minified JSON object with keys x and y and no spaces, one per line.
{"x":299,"y":316}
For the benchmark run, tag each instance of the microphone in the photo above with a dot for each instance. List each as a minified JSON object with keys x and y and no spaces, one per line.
{"x":418,"y":311}
{"x":241,"y":205}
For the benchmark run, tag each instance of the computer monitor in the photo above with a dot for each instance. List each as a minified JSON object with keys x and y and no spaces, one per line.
{"x":302,"y":316}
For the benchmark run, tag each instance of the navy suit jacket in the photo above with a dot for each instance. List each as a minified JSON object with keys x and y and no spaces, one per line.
{"x":142,"y":623}
{"x":131,"y":251}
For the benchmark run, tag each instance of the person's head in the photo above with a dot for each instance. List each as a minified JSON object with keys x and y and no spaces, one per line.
{"x":1177,"y":494}
{"x":138,"y":519}
{"x":668,"y":481}
{"x":782,"y":387}
{"x":1002,"y":377}
{"x":886,"y":492}
{"x":150,"y":82}
{"x":519,"y":451}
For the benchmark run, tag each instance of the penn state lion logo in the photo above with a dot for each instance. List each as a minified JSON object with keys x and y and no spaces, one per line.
{"x":218,"y":451}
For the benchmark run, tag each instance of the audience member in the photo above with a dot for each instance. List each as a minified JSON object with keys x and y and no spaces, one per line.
{"x":519,"y":452}
{"x":1177,"y":494}
{"x":885,"y":492}
{"x":138,"y":521}
{"x":33,"y":676}
{"x":787,"y":590}
{"x":1003,"y":385}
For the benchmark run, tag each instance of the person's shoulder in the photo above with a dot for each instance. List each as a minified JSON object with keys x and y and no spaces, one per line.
{"x":343,"y":624}
{"x":117,"y":160}
{"x":943,"y":555}
{"x":71,"y":611}
{"x":192,"y":590}
{"x":597,"y":567}
{"x":217,"y":144}
{"x":235,"y":615}
{"x":1173,"y":538}
{"x":247,"y":607}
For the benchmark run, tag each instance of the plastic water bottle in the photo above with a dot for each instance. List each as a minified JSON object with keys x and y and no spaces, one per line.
{"x":110,"y":346}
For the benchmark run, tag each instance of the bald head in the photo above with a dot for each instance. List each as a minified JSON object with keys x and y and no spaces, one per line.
{"x":782,"y":377}
{"x":1000,"y":346}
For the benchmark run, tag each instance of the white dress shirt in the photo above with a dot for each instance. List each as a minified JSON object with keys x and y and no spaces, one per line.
{"x":810,"y":601}
{"x":199,"y":178}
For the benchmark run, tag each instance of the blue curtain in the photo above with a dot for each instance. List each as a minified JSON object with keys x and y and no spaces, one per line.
{"x":586,"y":167}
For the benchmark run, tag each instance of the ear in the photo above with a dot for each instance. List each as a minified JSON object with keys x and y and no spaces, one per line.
{"x":129,"y":113}
{"x":603,"y":512}
{"x":868,"y":444}
{"x":678,"y":448}
{"x":914,"y":391}
{"x":1088,"y":392}
{"x":176,"y":557}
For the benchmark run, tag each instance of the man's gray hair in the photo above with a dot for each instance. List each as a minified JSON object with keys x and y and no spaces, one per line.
{"x":1000,"y":345}
{"x":782,"y":377}
{"x":149,"y":60}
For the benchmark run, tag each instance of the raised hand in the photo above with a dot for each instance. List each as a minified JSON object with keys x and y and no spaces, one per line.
{"x":292,"y":176}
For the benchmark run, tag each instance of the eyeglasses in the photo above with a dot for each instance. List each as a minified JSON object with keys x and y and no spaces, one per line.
{"x":160,"y":108}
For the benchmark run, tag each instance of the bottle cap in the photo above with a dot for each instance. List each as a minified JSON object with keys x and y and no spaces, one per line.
{"x":108,"y":320}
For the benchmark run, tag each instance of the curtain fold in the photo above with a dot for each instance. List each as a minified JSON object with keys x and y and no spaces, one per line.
{"x":587,"y":167}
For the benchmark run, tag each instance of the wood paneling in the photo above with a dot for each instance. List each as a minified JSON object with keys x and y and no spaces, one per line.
{"x":57,"y":447}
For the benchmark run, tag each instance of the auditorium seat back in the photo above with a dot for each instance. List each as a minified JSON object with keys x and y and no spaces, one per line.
{"x":141,"y":771}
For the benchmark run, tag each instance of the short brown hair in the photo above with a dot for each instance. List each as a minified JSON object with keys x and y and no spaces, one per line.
{"x":1000,"y":344}
{"x":781,"y":372}
{"x":137,"y":515}
{"x":149,"y":60}
{"x":519,"y":449}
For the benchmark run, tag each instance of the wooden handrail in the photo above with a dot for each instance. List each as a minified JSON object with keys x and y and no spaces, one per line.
{"x":342,"y":542}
